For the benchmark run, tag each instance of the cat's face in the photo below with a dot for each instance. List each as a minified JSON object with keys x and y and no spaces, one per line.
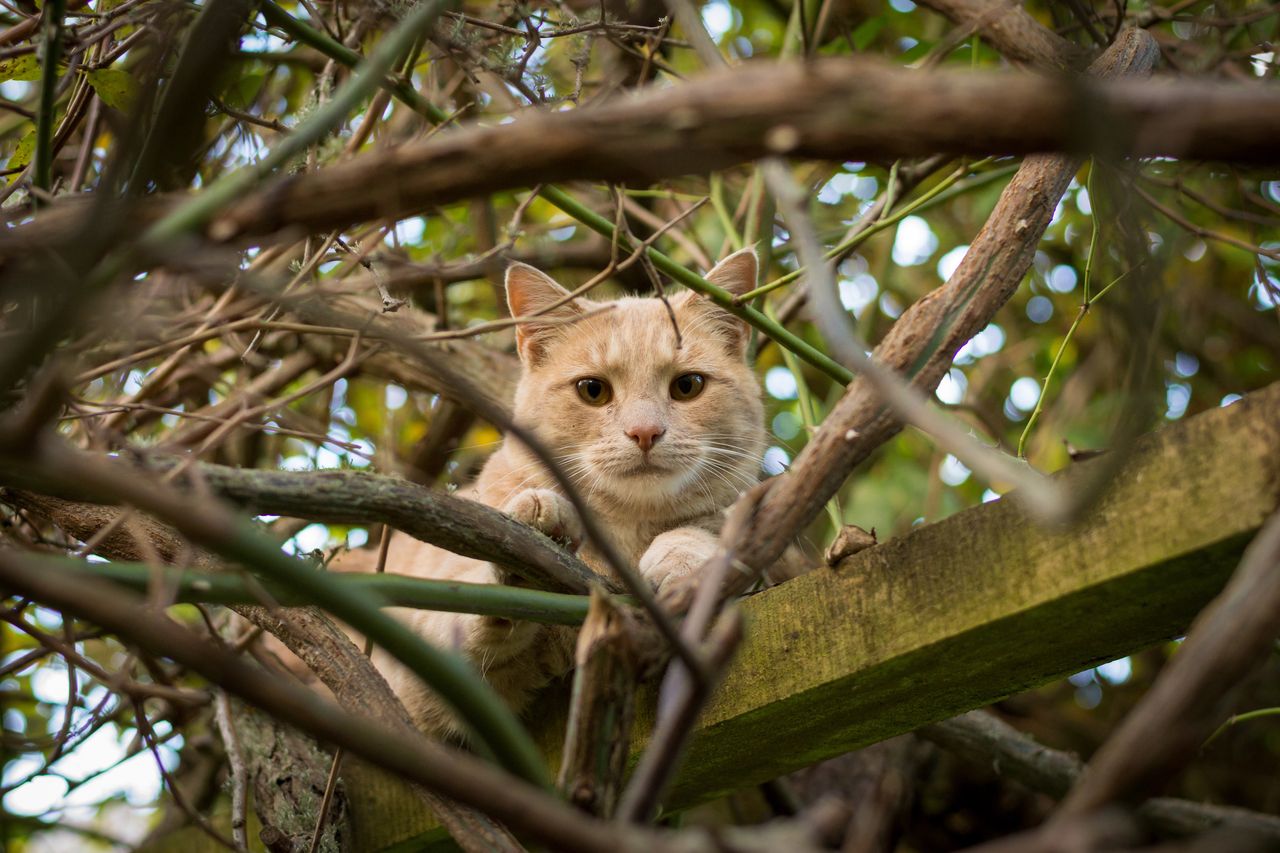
{"x":640,"y":420}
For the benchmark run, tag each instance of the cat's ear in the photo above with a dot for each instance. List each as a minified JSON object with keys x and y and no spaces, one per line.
{"x":533,"y":293}
{"x":736,"y":274}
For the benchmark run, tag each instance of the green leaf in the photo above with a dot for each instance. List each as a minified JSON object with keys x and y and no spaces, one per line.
{"x":867,"y":32}
{"x":25,"y":67}
{"x":116,"y":88}
{"x":22,"y":154}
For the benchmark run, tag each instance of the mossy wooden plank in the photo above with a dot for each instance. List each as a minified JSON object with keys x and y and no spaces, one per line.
{"x":959,"y":614}
{"x":952,"y":616}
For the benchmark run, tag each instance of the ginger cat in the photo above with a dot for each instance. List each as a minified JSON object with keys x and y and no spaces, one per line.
{"x":659,"y":438}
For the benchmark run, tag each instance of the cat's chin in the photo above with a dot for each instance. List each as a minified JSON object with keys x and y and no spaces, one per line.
{"x":645,"y":469}
{"x":647,"y":483}
{"x":648,"y":487}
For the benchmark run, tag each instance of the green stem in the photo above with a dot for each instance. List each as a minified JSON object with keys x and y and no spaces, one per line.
{"x":667,"y":195}
{"x":1053,"y":368}
{"x":1048,"y":377}
{"x":1093,"y":236}
{"x":42,"y":174}
{"x":722,"y":212}
{"x":751,"y":228}
{"x":891,"y":184}
{"x":693,"y":281}
{"x":1088,"y":302}
{"x":190,"y":587}
{"x":1240,"y":718}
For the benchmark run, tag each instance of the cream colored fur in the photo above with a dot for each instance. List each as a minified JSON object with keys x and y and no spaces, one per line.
{"x":662,"y":507}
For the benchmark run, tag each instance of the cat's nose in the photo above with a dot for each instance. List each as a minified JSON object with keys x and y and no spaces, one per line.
{"x":645,"y":435}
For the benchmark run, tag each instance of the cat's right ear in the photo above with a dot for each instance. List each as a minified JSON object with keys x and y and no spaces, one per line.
{"x":736,"y":274}
{"x":533,"y":294}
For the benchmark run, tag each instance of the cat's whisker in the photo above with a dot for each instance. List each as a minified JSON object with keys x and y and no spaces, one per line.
{"x":726,"y":444}
{"x":732,"y":460}
{"x":700,"y":482}
{"x":732,"y":451}
{"x":725,"y":471}
{"x":720,"y":476}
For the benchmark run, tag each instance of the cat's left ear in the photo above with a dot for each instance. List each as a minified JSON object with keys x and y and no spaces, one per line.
{"x":534,"y":294}
{"x":736,"y":274}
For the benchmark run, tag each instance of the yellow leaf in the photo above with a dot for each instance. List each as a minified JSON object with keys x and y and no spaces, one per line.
{"x":22,"y":154}
{"x":116,"y":88}
{"x":25,"y":67}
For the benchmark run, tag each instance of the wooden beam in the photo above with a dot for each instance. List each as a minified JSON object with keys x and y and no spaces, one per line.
{"x":952,"y":616}
{"x":959,"y":614}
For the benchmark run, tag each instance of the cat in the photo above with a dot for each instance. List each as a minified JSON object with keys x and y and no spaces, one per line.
{"x":659,"y":433}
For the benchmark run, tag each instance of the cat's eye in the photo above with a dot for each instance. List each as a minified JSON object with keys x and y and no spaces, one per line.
{"x":687,"y":386}
{"x":594,"y":392}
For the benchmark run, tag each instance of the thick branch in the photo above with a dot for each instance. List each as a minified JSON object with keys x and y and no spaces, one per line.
{"x":350,"y":497}
{"x":848,"y":108}
{"x":923,"y":342}
{"x":456,"y":524}
{"x":836,"y":108}
{"x":608,"y":667}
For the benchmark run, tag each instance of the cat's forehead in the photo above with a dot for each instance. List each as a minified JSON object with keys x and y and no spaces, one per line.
{"x":637,"y":336}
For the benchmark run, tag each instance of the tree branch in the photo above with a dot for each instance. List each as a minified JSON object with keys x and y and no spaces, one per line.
{"x":209,"y":525}
{"x":983,"y":739}
{"x":1010,"y":29}
{"x":923,"y":342}
{"x":351,"y":497}
{"x":834,"y":108}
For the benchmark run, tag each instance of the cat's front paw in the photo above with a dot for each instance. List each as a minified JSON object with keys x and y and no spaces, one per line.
{"x":548,"y":512}
{"x":673,"y":559}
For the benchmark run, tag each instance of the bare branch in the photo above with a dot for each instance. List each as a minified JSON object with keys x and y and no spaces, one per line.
{"x":730,"y":117}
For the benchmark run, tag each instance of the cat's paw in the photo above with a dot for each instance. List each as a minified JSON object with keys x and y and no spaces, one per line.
{"x":674,"y":558}
{"x":547,"y":512}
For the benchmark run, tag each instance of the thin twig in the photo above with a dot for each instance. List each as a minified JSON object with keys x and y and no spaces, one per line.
{"x":239,"y":770}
